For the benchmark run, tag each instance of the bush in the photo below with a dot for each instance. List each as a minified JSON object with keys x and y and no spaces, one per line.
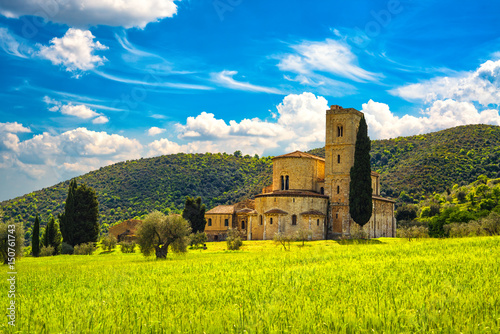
{"x":489,"y":225}
{"x":84,"y":249}
{"x":357,"y":232}
{"x":47,"y":251}
{"x":412,"y":232}
{"x":127,"y":247}
{"x":198,"y":239}
{"x":67,"y":248}
{"x":108,"y":243}
{"x":233,"y":239}
{"x":303,"y":235}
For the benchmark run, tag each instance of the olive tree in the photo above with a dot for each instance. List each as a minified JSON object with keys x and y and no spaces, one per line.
{"x":159,"y":232}
{"x":11,"y":241}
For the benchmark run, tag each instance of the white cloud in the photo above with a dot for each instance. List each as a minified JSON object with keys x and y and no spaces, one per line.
{"x":331,"y":56}
{"x":84,"y":13}
{"x":225,"y":79}
{"x":75,"y":51}
{"x":78,"y":110}
{"x":14,"y":45}
{"x":79,"y":149}
{"x":299,"y":125}
{"x":481,"y":85}
{"x":442,"y":114}
{"x":13,"y":127}
{"x":154,"y":131}
{"x":100,"y":120}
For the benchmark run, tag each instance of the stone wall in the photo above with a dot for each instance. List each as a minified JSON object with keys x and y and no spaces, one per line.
{"x":303,"y":172}
{"x":309,"y":212}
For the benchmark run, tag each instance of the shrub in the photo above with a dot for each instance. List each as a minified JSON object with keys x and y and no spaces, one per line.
{"x":303,"y":235}
{"x":412,"y":232}
{"x":47,"y":251}
{"x":84,"y":249}
{"x":108,"y":242}
{"x":67,"y":248}
{"x":127,"y":247}
{"x":233,"y":239}
{"x":198,"y":239}
{"x":357,"y":232}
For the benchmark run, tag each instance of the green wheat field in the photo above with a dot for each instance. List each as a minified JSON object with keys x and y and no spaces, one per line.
{"x":384,"y":286}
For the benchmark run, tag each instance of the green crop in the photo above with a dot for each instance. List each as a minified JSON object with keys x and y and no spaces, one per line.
{"x":383,"y":286}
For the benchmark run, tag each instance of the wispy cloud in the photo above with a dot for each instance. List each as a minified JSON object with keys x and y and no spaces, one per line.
{"x":14,"y":45}
{"x":225,"y":79}
{"x":152,"y":80}
{"x":331,"y":56}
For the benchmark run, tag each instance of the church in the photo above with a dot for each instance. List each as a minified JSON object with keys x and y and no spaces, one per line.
{"x":308,"y":193}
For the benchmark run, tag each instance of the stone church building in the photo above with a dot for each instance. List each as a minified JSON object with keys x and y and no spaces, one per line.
{"x":308,"y":193}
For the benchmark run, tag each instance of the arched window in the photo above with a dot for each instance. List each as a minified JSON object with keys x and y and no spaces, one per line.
{"x":209,"y":221}
{"x":338,"y":189}
{"x":242,"y":224}
{"x":282,"y":183}
{"x":287,"y":183}
{"x":261,"y":219}
{"x":294,"y":220}
{"x":322,"y":191}
{"x":270,"y":221}
{"x":340,"y":131}
{"x":317,"y":222}
{"x":338,"y":158}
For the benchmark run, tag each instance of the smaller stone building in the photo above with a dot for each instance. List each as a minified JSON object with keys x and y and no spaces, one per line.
{"x":223,"y":217}
{"x":125,"y":231}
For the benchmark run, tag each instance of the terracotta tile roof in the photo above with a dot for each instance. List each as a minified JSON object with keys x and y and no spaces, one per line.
{"x":299,"y":154}
{"x":222,"y":209}
{"x":313,"y":213}
{"x":276,"y":211}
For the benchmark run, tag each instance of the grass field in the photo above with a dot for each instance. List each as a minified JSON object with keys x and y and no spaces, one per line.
{"x":388,"y":285}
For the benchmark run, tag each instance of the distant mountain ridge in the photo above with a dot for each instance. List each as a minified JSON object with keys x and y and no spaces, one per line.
{"x":416,"y":165}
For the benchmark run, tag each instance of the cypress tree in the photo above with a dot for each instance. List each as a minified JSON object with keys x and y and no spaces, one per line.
{"x":194,"y":212}
{"x":360,"y":188}
{"x":52,"y":235}
{"x":80,"y":220}
{"x":35,"y":238}
{"x":67,"y":217}
{"x":86,"y":217}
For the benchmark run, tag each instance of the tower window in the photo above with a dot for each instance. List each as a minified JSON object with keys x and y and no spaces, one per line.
{"x":282,"y":183}
{"x":294,"y":220}
{"x":337,"y":216}
{"x":338,"y":189}
{"x":270,"y":221}
{"x":338,"y":158}
{"x":209,"y":221}
{"x":322,"y":191}
{"x":340,"y":131}
{"x":287,"y":183}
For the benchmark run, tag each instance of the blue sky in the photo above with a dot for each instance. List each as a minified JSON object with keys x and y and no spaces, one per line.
{"x":87,"y":83}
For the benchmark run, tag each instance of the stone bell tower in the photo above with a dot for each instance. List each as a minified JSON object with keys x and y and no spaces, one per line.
{"x":341,"y":129}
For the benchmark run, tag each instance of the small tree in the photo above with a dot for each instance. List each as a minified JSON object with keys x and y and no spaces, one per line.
{"x":233,"y":239}
{"x":35,"y":238}
{"x":194,"y":213}
{"x":52,"y":235}
{"x":159,"y":232}
{"x":283,"y":239}
{"x":303,"y":235}
{"x":108,"y":242}
{"x":360,"y":187}
{"x":11,"y":240}
{"x":198,"y":239}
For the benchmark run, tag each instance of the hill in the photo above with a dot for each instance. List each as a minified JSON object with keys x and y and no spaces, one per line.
{"x":416,"y":166}
{"x":410,"y":167}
